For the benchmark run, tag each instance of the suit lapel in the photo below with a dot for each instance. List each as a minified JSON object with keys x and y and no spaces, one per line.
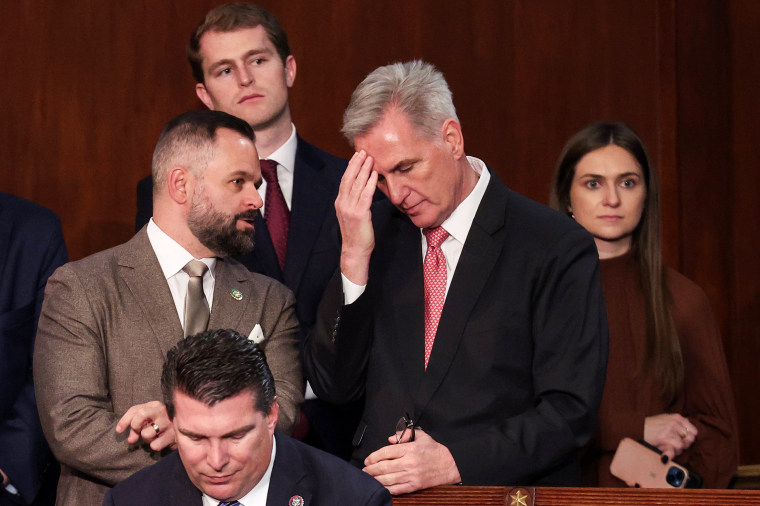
{"x":183,"y":491}
{"x":232,"y":295}
{"x":403,"y":282}
{"x":141,"y":272}
{"x":481,"y":250}
{"x":311,"y":200}
{"x":263,"y":254}
{"x":289,"y":477}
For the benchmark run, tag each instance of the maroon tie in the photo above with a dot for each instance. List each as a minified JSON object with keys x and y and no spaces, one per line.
{"x":276,"y":213}
{"x":434,"y":270}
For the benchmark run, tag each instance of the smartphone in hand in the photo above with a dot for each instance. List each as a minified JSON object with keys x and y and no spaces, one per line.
{"x":641,"y":465}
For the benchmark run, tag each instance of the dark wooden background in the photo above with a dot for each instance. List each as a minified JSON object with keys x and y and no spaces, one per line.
{"x":87,"y":85}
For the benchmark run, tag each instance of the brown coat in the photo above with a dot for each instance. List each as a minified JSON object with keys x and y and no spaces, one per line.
{"x":107,"y":323}
{"x":706,"y":399}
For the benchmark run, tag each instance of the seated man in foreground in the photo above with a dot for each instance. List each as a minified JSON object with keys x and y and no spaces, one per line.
{"x":508,"y":384}
{"x":220,"y":396}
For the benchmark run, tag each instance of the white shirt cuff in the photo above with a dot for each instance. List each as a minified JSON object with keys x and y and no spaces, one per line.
{"x":351,"y":291}
{"x":11,"y":489}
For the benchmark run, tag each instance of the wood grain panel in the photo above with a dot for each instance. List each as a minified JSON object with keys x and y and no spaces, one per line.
{"x":703,"y":148}
{"x":87,"y":99}
{"x":561,"y":496}
{"x":743,"y":189}
{"x":577,"y":62}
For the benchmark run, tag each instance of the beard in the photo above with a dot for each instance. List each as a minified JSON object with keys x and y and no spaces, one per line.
{"x":218,"y":231}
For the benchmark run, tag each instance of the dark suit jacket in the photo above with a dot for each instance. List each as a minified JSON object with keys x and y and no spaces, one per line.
{"x":107,"y":323}
{"x":318,"y":477}
{"x":313,"y":254}
{"x":31,"y":248}
{"x":517,"y":369}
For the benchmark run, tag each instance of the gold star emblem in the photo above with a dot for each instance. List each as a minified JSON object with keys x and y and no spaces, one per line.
{"x":518,"y":498}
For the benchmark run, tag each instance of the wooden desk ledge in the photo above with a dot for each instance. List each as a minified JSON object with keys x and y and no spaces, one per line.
{"x":748,"y":477}
{"x":561,"y":496}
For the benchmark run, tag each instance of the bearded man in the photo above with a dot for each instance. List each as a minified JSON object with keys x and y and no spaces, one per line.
{"x":109,"y":320}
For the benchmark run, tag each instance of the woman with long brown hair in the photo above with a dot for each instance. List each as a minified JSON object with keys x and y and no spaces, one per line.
{"x":667,"y":379}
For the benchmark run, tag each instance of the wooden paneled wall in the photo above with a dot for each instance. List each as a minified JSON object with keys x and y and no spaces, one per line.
{"x":87,"y":86}
{"x":741,"y":178}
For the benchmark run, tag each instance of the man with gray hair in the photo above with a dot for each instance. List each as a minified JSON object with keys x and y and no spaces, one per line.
{"x":108,"y":320}
{"x":471,"y":317}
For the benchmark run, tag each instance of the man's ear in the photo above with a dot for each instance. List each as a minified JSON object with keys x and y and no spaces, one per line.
{"x":273,"y":416}
{"x":451,"y":131}
{"x":290,"y":70}
{"x":204,"y":95}
{"x":180,"y":184}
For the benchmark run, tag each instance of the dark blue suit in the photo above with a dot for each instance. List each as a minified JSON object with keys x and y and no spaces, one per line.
{"x":312,"y":258}
{"x":31,"y":248}
{"x":318,"y":477}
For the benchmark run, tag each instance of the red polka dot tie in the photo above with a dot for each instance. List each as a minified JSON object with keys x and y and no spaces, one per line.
{"x":277,"y":214}
{"x":434,"y":270}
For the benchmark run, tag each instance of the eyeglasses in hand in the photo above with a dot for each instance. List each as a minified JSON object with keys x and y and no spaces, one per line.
{"x":404,"y":424}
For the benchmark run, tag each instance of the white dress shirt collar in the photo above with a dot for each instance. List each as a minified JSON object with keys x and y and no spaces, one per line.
{"x":257,"y":496}
{"x":171,"y":256}
{"x":460,"y":220}
{"x":285,"y":156}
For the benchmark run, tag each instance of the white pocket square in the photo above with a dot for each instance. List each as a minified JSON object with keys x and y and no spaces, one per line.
{"x":256,"y":335}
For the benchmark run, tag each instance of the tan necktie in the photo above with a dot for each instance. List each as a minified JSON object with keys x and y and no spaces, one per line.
{"x":196,"y":305}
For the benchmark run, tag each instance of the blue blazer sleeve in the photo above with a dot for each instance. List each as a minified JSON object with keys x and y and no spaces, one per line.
{"x":31,"y":248}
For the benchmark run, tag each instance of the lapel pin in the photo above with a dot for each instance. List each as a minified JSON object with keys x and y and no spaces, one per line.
{"x":236,"y":294}
{"x":296,"y":500}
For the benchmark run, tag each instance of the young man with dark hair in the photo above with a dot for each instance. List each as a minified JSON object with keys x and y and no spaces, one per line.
{"x":221,"y":399}
{"x":240,"y":57}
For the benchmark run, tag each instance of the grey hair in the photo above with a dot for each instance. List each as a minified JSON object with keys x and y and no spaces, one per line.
{"x":416,"y":88}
